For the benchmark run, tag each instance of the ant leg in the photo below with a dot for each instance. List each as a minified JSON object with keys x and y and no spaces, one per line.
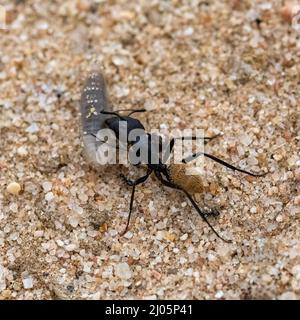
{"x":222,"y":162}
{"x":166,"y":182}
{"x":130,"y":210}
{"x":133,"y":184}
{"x":202,"y":214}
{"x":197,"y":138}
{"x":137,"y":181}
{"x":172,"y":143}
{"x":212,"y":212}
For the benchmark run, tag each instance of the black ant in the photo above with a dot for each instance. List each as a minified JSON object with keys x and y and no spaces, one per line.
{"x":170,"y":175}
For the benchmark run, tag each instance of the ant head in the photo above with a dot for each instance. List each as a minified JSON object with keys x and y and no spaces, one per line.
{"x":122,"y":126}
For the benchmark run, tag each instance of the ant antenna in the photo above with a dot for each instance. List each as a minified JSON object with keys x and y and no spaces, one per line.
{"x":133,"y":111}
{"x":112,"y":113}
{"x":116,"y":113}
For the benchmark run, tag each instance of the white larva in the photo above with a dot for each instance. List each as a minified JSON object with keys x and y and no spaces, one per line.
{"x":94,"y":99}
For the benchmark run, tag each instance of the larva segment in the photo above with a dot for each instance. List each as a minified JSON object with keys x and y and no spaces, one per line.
{"x":94,"y":99}
{"x":178,"y":175}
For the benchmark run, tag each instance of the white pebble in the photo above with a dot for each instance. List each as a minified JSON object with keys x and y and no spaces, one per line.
{"x":251,"y":99}
{"x":296,"y":271}
{"x":245,"y":139}
{"x":59,"y":242}
{"x":151,"y":84}
{"x":27,"y":283}
{"x":47,"y":186}
{"x":38,"y":233}
{"x":107,"y":272}
{"x":161,"y":225}
{"x":288,"y":295}
{"x":184,"y":237}
{"x":211,"y":257}
{"x":182,"y":260}
{"x":74,"y":221}
{"x":149,"y":105}
{"x":71,"y":247}
{"x":13,"y":207}
{"x":119,"y":61}
{"x":2,"y":278}
{"x":33,"y":128}
{"x":153,"y":297}
{"x":189,"y":272}
{"x":163,"y":126}
{"x":160,"y":235}
{"x":190,"y":250}
{"x":123,"y":271}
{"x":253,"y":210}
{"x":113,"y":232}
{"x":219,"y":294}
{"x":86,"y":268}
{"x":188,"y":31}
{"x":22,"y":151}
{"x":83,"y":197}
{"x":252,"y":161}
{"x":49,"y":196}
{"x":121,"y":91}
{"x":128,"y":235}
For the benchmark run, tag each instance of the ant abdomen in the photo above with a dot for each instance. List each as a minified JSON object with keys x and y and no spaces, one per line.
{"x":179,"y":174}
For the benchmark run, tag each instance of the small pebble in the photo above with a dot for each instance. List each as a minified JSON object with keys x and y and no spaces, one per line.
{"x":253,"y":210}
{"x":71,"y":247}
{"x":288,"y":295}
{"x":47,"y":186}
{"x":219,"y":294}
{"x":14,"y":188}
{"x":289,"y":10}
{"x":160,"y":235}
{"x":103,"y":227}
{"x":27,"y":283}
{"x":297,"y":200}
{"x":49,"y":196}
{"x":297,"y":174}
{"x":83,"y":5}
{"x":128,"y":235}
{"x":22,"y":151}
{"x":74,"y":221}
{"x":152,"y":297}
{"x":119,"y":61}
{"x":122,"y":271}
{"x":33,"y":128}
{"x":245,"y":139}
{"x":184,"y":237}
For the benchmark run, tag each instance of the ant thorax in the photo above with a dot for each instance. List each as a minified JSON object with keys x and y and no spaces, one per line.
{"x":145,"y":150}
